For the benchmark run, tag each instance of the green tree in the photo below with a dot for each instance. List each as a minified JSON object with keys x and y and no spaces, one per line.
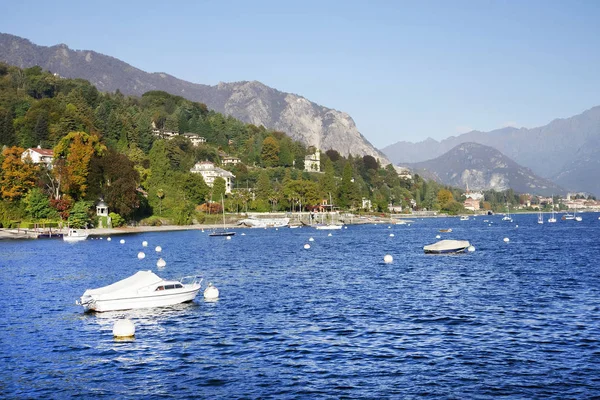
{"x":263,"y":187}
{"x":37,"y":205}
{"x":270,"y":152}
{"x":7,"y":130}
{"x":327,"y":181}
{"x":349,"y":192}
{"x":114,"y":178}
{"x":218,"y":189}
{"x":285,"y":153}
{"x":79,"y":216}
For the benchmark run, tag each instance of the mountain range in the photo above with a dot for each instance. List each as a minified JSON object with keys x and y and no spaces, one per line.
{"x":565,"y":151}
{"x":480,"y":167}
{"x":248,"y":101}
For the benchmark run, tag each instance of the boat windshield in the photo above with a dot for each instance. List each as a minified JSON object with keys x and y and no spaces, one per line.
{"x":168,"y":287}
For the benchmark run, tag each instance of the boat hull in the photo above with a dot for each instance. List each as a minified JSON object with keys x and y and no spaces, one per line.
{"x":73,"y":239}
{"x":449,"y":251}
{"x":154,"y":300}
{"x":447,"y":247}
{"x":222,"y":234}
{"x":329,"y":227}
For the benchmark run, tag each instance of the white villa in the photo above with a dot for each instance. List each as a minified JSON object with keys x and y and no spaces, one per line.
{"x":209,"y":172}
{"x":165,"y":134}
{"x":195,"y":138}
{"x":312,"y":162}
{"x":230,"y":160}
{"x":39,"y":156}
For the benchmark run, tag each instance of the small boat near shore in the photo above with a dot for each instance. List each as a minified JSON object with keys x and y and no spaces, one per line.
{"x":142,"y":290}
{"x":328,"y":227}
{"x":75,"y":235}
{"x":447,"y":247}
{"x":446,"y":230}
{"x":254,"y":222}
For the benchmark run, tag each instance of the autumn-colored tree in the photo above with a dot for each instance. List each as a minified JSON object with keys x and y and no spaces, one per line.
{"x":270,"y":152}
{"x":17,"y":176}
{"x":76,"y":150}
{"x":444,"y":197}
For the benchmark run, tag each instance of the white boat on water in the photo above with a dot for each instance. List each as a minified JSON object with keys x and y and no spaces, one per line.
{"x":254,"y":222}
{"x":75,"y":235}
{"x":447,"y":247}
{"x":540,"y":218}
{"x":507,"y":216}
{"x":328,"y":227}
{"x":142,"y":290}
{"x":464,"y":218}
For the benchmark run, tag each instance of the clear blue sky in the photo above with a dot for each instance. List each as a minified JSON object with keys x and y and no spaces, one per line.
{"x":402,"y":70}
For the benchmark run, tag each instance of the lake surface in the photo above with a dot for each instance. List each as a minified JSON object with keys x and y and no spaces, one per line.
{"x":518,"y":319}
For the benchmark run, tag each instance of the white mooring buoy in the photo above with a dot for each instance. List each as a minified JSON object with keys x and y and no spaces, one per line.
{"x":506,"y":240}
{"x":228,"y":237}
{"x":161,"y":263}
{"x":388,"y":259}
{"x":391,"y":235}
{"x":144,"y":244}
{"x":158,"y":249}
{"x":123,"y":328}
{"x":108,"y":239}
{"x":311,"y":239}
{"x":471,"y":249}
{"x":329,"y":234}
{"x":307,"y":246}
{"x":437,"y":236}
{"x":211,"y":292}
{"x":141,"y":255}
{"x":122,"y":241}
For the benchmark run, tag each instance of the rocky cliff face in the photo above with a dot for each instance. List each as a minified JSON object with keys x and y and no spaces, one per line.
{"x":483,"y":168}
{"x":550,"y":150}
{"x":251,"y":102}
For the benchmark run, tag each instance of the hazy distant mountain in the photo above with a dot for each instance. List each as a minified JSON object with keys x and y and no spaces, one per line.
{"x":251,"y":102}
{"x":553,"y":151}
{"x":483,"y":168}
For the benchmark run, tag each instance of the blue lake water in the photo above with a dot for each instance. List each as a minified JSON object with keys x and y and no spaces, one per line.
{"x":518,"y":319}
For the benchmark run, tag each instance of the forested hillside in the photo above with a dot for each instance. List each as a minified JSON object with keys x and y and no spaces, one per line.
{"x":104,"y":147}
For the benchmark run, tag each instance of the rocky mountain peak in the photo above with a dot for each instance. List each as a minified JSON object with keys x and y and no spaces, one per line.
{"x":249,"y":101}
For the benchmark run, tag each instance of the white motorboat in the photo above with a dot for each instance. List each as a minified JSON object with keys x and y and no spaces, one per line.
{"x":447,"y":246}
{"x":75,"y":235}
{"x":464,"y":218}
{"x":568,"y":217}
{"x":142,"y":290}
{"x":328,"y":227}
{"x":254,"y":222}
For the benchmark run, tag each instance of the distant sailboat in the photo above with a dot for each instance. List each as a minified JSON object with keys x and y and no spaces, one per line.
{"x":222,"y":232}
{"x":507,"y":217}
{"x":553,"y":218}
{"x":577,"y":217}
{"x":540,"y":218}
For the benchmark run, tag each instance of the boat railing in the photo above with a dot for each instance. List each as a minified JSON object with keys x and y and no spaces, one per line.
{"x":191,"y":280}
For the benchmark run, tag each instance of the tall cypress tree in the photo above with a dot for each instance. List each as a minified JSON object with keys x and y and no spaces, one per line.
{"x":7,"y":129}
